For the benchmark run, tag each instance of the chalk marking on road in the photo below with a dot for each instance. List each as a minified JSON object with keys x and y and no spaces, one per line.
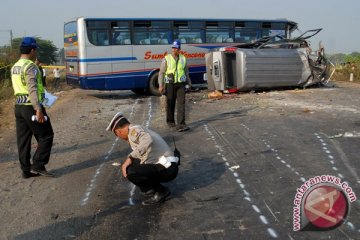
{"x":330,"y":157}
{"x":272,"y":233}
{"x":278,"y":157}
{"x":89,"y":189}
{"x":350,"y":225}
{"x":256,"y":208}
{"x":246,"y":193}
{"x":262,"y":218}
{"x":132,"y":192}
{"x":248,"y":199}
{"x":147,"y":124}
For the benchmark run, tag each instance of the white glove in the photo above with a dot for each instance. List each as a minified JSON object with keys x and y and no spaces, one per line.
{"x":187,"y":87}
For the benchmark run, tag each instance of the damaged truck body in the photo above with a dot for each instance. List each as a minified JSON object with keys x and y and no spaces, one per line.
{"x":269,"y":62}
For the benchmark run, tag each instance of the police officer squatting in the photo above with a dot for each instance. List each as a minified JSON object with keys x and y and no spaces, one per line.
{"x":30,"y":114}
{"x":174,"y":80}
{"x":151,"y":161}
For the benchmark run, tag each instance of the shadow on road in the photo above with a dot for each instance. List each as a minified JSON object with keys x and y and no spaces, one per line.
{"x":77,"y":226}
{"x":87,"y":164}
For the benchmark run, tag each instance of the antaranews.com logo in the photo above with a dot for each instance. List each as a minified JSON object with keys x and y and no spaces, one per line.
{"x":322,"y":203}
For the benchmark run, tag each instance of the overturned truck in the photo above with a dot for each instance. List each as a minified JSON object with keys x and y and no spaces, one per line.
{"x":269,"y":62}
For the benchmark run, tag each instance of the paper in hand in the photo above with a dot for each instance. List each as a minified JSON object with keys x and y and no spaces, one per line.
{"x":49,"y":99}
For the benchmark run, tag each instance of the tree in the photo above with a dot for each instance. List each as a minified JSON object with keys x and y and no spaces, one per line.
{"x":352,"y":58}
{"x":46,"y":51}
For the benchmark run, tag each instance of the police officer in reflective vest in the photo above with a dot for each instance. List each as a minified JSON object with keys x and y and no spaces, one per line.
{"x":173,"y":81}
{"x":31,"y":117}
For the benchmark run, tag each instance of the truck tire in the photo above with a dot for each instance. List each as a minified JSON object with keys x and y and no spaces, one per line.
{"x":154,"y":85}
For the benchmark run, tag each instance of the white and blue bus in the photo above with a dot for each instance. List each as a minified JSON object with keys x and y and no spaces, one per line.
{"x":125,"y":54}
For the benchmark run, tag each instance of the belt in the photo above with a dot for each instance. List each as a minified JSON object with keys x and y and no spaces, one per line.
{"x":22,"y":99}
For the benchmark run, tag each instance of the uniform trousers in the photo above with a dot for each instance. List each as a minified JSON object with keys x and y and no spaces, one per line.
{"x":25,"y":129}
{"x":149,"y":176}
{"x":175,"y":94}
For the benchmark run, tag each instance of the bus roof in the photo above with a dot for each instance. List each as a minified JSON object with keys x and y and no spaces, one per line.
{"x":279,"y":20}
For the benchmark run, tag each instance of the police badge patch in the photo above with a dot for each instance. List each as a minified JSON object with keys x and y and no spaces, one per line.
{"x":134,"y":136}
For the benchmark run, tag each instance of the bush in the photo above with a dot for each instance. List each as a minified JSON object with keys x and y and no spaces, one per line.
{"x":6,"y":90}
{"x":343,"y":72}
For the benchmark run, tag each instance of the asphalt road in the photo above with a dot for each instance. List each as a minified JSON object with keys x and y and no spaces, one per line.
{"x":243,"y":160}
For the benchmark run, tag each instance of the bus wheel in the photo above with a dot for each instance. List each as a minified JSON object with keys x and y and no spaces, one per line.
{"x":154,"y":85}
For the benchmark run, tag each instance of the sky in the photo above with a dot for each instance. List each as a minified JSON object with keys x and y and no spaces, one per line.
{"x":45,"y":19}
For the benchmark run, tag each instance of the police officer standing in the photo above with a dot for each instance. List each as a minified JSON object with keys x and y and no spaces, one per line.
{"x":150,"y":162}
{"x":31,"y":117}
{"x":173,"y":81}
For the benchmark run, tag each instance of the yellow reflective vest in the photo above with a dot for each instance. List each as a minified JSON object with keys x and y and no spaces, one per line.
{"x":179,"y":75}
{"x":18,"y":78}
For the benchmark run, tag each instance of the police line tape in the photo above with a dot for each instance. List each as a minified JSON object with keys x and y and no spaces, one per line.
{"x":6,"y":66}
{"x":53,"y":66}
{"x":41,"y":66}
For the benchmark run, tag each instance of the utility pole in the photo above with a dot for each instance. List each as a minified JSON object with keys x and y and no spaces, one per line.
{"x":11,"y":37}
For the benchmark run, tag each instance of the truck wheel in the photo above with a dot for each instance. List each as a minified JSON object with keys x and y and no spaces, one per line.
{"x":154,"y":85}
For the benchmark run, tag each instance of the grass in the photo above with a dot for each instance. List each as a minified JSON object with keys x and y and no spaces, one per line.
{"x":343,"y":74}
{"x":7,"y":96}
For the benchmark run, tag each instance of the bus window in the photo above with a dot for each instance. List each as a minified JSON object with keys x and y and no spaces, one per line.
{"x":120,"y":37}
{"x":120,"y":33}
{"x":246,"y":35}
{"x":98,"y":33}
{"x":218,"y":37}
{"x":189,"y":36}
{"x":141,"y":37}
{"x":189,"y":31}
{"x":154,"y":32}
{"x":219,"y":32}
{"x":99,"y":37}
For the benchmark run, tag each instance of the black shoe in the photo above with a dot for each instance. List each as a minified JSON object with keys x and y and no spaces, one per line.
{"x":42,"y":172}
{"x":28,"y":174}
{"x":149,"y":193}
{"x":158,"y":197}
{"x":182,"y":128}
